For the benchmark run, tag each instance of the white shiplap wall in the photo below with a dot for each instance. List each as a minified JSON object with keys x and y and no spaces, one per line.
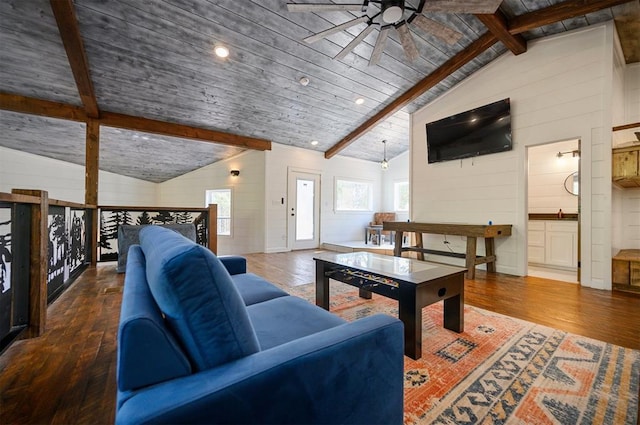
{"x":334,"y":226}
{"x":630,"y":198}
{"x":65,"y":181}
{"x":188,"y":190}
{"x":398,"y":171}
{"x":560,"y":89}
{"x":546,"y":177}
{"x":626,"y":202}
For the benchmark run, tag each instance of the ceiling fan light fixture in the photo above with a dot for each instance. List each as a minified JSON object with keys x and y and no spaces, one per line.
{"x":392,"y":11}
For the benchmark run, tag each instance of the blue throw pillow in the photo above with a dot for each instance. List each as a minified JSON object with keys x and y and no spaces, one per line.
{"x":198,"y":298}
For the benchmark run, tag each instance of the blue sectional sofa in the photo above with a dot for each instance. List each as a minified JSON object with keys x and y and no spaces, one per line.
{"x":201,"y":340}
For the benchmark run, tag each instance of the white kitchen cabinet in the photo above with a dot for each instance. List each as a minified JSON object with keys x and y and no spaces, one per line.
{"x":553,"y":243}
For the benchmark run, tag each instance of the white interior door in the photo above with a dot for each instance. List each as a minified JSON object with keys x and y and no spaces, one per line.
{"x":303,"y":210}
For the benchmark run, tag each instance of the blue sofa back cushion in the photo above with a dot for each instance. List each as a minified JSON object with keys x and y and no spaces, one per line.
{"x":200,"y":303}
{"x":147,"y":351}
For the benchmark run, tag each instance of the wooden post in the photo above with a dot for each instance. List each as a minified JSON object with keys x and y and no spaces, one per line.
{"x":92,"y":152}
{"x":38,"y":261}
{"x":420,"y":245}
{"x":213,"y":228}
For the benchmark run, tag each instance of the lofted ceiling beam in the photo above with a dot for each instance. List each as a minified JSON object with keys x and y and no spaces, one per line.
{"x":28,"y":105}
{"x":65,"y":15}
{"x":497,"y":24}
{"x":45,"y":108}
{"x":456,"y":62}
{"x":147,"y":125}
{"x":558,"y":12}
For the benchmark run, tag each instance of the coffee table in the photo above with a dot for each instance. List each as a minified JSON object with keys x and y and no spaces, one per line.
{"x":415,"y":284}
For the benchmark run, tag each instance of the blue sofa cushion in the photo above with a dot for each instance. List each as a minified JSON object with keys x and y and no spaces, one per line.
{"x":129,"y":235}
{"x":147,"y":352}
{"x":254,"y":289}
{"x":234,"y":264}
{"x":285,"y":319}
{"x":200,"y":302}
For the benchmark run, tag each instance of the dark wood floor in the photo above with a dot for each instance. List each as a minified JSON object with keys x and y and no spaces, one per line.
{"x":68,"y":375}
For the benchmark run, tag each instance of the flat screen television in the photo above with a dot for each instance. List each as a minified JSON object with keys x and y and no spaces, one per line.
{"x":480,"y":131}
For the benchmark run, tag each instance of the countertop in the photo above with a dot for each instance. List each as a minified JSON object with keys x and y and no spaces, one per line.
{"x":553,"y":216}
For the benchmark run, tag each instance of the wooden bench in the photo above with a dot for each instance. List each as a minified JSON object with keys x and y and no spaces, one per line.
{"x":471,"y":231}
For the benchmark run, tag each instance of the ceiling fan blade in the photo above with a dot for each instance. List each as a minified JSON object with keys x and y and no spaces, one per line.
{"x":406,"y":39}
{"x":379,"y":47}
{"x":464,"y":6}
{"x":443,"y":32}
{"x":349,"y":47}
{"x":324,"y":7}
{"x":337,"y":28}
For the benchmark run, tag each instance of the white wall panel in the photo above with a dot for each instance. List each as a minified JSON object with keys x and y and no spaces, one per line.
{"x":248,"y":190}
{"x":398,"y":171}
{"x":65,"y":181}
{"x":560,"y":89}
{"x":334,"y":226}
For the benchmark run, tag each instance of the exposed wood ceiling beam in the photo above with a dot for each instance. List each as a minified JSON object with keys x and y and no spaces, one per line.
{"x":517,"y":25}
{"x":28,"y":105}
{"x":65,"y":15}
{"x":497,"y":24}
{"x":146,"y":125}
{"x":45,"y":108}
{"x":558,"y":12}
{"x":456,"y":62}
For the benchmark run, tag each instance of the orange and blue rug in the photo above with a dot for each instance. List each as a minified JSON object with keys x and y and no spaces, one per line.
{"x":502,"y":370}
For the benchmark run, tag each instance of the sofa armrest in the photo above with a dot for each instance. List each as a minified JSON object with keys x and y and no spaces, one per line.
{"x":234,"y":264}
{"x":352,"y":373}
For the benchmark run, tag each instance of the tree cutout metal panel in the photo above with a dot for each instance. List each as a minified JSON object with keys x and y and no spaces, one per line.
{"x":57,"y":250}
{"x":110,"y":220}
{"x":77,"y":240}
{"x":5,"y":271}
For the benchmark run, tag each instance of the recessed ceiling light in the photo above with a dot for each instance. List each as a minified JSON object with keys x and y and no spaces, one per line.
{"x":304,"y":81}
{"x":314,"y":142}
{"x":221,"y":51}
{"x":359,"y":101}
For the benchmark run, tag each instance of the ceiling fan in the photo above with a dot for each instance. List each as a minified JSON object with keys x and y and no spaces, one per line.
{"x":391,"y":14}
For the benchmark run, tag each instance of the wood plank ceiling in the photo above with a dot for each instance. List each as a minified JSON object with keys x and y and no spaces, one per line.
{"x":154,"y":60}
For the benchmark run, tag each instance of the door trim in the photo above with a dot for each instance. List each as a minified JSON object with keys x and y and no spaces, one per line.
{"x":292,"y":175}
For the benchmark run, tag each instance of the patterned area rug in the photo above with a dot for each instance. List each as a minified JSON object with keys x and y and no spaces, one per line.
{"x":502,"y":370}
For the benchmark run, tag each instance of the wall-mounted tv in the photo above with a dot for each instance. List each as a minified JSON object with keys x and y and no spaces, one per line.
{"x":480,"y":131}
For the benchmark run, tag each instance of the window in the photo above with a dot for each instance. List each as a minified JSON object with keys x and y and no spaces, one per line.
{"x":222,"y":197}
{"x":353,"y":195}
{"x":401,"y":196}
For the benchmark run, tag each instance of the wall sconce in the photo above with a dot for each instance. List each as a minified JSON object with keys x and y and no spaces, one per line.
{"x":235,"y":173}
{"x":574,"y":154}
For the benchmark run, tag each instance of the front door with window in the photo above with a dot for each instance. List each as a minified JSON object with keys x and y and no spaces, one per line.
{"x":303,"y":210}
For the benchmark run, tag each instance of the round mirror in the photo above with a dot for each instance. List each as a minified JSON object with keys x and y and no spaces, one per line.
{"x":572,"y":183}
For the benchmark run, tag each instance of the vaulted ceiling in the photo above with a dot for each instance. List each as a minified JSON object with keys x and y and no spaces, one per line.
{"x":146,"y":70}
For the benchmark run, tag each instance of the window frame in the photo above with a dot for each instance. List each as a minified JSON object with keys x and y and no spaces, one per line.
{"x":230,"y":217}
{"x":395,"y":197}
{"x":368,"y":183}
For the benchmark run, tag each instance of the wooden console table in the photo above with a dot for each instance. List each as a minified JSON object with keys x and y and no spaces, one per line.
{"x":471,"y":231}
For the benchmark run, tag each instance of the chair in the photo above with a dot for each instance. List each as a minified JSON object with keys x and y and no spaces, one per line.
{"x":374,"y":232}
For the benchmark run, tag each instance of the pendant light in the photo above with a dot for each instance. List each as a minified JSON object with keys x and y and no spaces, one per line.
{"x":384,"y":163}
